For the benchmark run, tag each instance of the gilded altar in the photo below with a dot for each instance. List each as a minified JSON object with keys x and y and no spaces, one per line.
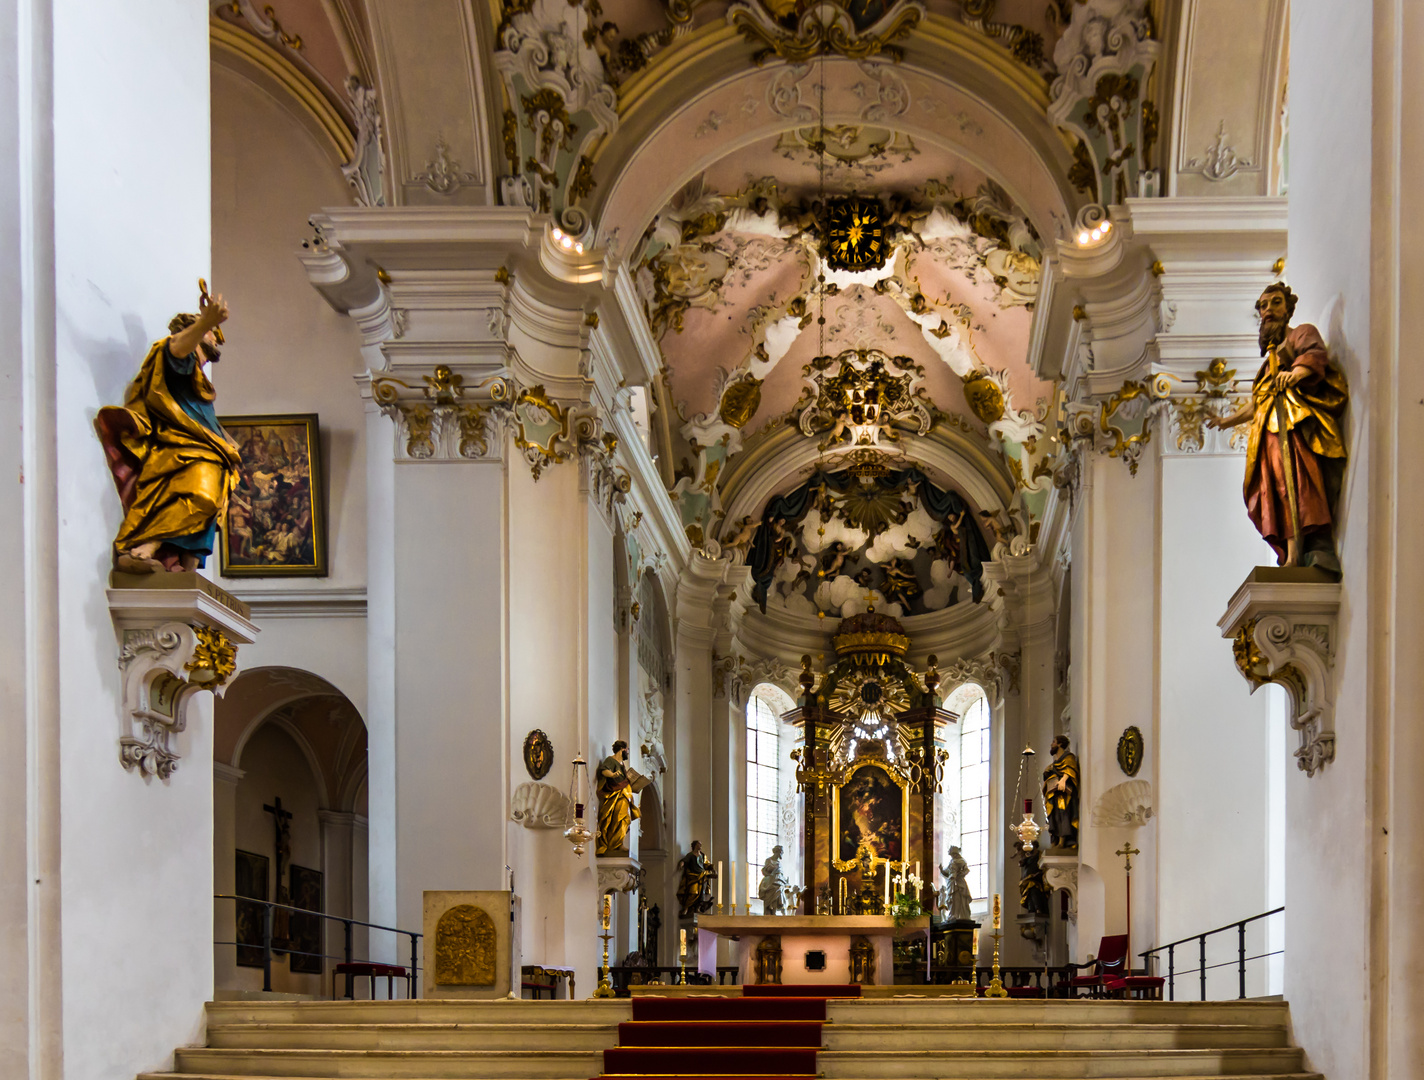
{"x":871,"y":759}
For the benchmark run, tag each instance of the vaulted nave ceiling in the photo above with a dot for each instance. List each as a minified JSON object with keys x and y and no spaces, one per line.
{"x":700,"y":152}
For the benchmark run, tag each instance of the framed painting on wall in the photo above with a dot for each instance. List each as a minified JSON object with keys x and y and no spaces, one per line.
{"x":872,"y":807}
{"x":276,"y":518}
{"x":250,"y":880}
{"x":304,"y":953}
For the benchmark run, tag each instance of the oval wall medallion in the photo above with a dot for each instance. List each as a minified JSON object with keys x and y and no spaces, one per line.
{"x":539,"y":754}
{"x":1129,"y":751}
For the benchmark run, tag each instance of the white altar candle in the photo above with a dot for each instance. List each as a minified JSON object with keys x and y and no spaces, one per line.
{"x":732,"y":891}
{"x":719,"y":884}
{"x":682,"y":943}
{"x":887,"y":886}
{"x":749,"y":888}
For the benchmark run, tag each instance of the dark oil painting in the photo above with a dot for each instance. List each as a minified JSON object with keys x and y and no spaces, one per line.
{"x":275,"y":524}
{"x":871,"y":811}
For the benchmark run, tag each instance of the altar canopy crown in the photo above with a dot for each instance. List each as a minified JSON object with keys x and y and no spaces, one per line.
{"x":870,"y":638}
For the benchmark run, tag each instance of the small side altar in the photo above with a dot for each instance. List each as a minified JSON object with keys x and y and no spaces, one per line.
{"x":819,"y":949}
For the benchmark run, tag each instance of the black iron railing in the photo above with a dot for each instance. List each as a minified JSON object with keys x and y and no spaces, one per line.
{"x":1150,"y":957}
{"x":347,"y":955}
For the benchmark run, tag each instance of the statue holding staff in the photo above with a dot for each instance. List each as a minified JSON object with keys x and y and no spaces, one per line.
{"x":1295,"y":454}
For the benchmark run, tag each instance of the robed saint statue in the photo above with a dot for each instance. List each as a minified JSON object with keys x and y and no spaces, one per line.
{"x":172,"y":463}
{"x":1295,"y":454}
{"x":618,"y":786}
{"x":1060,"y":796}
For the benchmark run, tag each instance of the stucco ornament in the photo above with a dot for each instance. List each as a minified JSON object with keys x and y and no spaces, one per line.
{"x":561,"y":103}
{"x":1104,"y":57}
{"x":539,"y":806}
{"x":1127,"y":805}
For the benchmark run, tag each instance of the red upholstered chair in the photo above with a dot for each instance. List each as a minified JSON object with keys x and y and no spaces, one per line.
{"x":1142,"y":987}
{"x":1110,"y":965}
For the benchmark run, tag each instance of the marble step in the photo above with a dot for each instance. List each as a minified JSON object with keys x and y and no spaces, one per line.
{"x":421,"y":1011}
{"x":1051,"y":1011}
{"x":1053,"y":1064}
{"x":426,"y":1036}
{"x":1213,"y":1076}
{"x":1049,"y":1036}
{"x":529,"y":1064}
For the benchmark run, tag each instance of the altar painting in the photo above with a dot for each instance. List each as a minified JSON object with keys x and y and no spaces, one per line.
{"x":871,"y":807}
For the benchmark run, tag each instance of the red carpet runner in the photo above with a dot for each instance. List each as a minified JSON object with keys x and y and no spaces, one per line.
{"x":771,"y":1031}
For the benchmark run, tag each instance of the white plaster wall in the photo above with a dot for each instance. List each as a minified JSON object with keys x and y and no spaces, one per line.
{"x":1115,"y":685}
{"x":1328,"y":845}
{"x":131,"y":236}
{"x":553,"y":575}
{"x":329,"y":646}
{"x":449,"y":696}
{"x":287,"y":351}
{"x":1212,"y":762}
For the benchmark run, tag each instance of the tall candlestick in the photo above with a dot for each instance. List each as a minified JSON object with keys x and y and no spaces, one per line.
{"x":733,"y":890}
{"x":719,"y":886}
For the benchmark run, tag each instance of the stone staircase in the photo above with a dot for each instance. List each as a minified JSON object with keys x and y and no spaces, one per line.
{"x":866,"y":1039}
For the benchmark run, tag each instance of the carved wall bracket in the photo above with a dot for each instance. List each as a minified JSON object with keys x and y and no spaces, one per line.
{"x":1061,"y":872}
{"x":1282,"y":624}
{"x":176,"y":639}
{"x":539,"y":806}
{"x":619,"y":875}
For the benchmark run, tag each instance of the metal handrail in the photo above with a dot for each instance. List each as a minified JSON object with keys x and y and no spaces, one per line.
{"x":1150,"y":956}
{"x":348,"y":923}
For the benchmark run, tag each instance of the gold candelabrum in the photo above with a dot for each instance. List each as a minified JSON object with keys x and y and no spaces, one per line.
{"x":605,"y":987}
{"x":996,"y":986}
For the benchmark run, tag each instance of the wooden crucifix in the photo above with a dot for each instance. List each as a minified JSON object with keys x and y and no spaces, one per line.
{"x":281,"y":918}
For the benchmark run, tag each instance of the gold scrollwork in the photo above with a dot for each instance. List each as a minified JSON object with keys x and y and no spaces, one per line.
{"x":1247,"y":654}
{"x":825,"y":28}
{"x":214,"y":658}
{"x":1127,"y":447}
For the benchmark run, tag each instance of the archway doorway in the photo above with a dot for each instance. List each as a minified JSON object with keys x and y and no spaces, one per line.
{"x":289,"y":750}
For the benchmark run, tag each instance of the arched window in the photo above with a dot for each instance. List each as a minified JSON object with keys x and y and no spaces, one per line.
{"x":965,"y":806}
{"x":770,"y":781}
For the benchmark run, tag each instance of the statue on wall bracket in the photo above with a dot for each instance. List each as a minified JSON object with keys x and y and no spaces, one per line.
{"x":172,"y":462}
{"x":1295,"y":454}
{"x":694,"y":883}
{"x":1061,"y":783}
{"x":618,"y":786}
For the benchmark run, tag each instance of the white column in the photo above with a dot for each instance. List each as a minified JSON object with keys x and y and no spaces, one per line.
{"x":337,"y":865}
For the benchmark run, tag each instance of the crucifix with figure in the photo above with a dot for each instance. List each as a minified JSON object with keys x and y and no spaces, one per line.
{"x":283,"y":850}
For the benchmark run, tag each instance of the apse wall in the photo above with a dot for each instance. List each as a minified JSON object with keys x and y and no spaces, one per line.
{"x":1328,"y":858}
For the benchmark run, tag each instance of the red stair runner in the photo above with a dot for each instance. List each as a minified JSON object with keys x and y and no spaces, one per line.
{"x":772,"y":1031}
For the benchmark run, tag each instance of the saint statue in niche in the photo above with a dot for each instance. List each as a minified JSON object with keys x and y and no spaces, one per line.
{"x":694,"y":883}
{"x":1060,"y":796}
{"x":173,"y":464}
{"x":1295,"y":454}
{"x":617,"y":786}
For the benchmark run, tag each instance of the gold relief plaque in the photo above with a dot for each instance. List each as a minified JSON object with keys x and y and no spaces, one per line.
{"x":465,"y":947}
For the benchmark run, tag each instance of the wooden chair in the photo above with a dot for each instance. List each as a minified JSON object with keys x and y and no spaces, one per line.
{"x":372,"y":971}
{"x":1111,"y":964}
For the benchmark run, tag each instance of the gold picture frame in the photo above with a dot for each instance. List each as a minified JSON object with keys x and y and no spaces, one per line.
{"x":275,"y":525}
{"x":899,"y":781}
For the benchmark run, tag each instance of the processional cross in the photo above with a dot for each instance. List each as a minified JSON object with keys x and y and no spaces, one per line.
{"x":1127,"y":851}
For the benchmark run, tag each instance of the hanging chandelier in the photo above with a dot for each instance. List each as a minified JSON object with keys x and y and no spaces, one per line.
{"x":577,"y":831}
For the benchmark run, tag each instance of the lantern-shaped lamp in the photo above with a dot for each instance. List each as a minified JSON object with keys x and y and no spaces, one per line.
{"x":577,"y":832}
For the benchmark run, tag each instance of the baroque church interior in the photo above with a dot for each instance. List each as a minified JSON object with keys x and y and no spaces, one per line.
{"x":859,"y":538}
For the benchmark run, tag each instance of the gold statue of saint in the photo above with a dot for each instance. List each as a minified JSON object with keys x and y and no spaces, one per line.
{"x":1060,"y":795}
{"x":617,"y":809}
{"x":173,"y":464}
{"x":1295,"y":454}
